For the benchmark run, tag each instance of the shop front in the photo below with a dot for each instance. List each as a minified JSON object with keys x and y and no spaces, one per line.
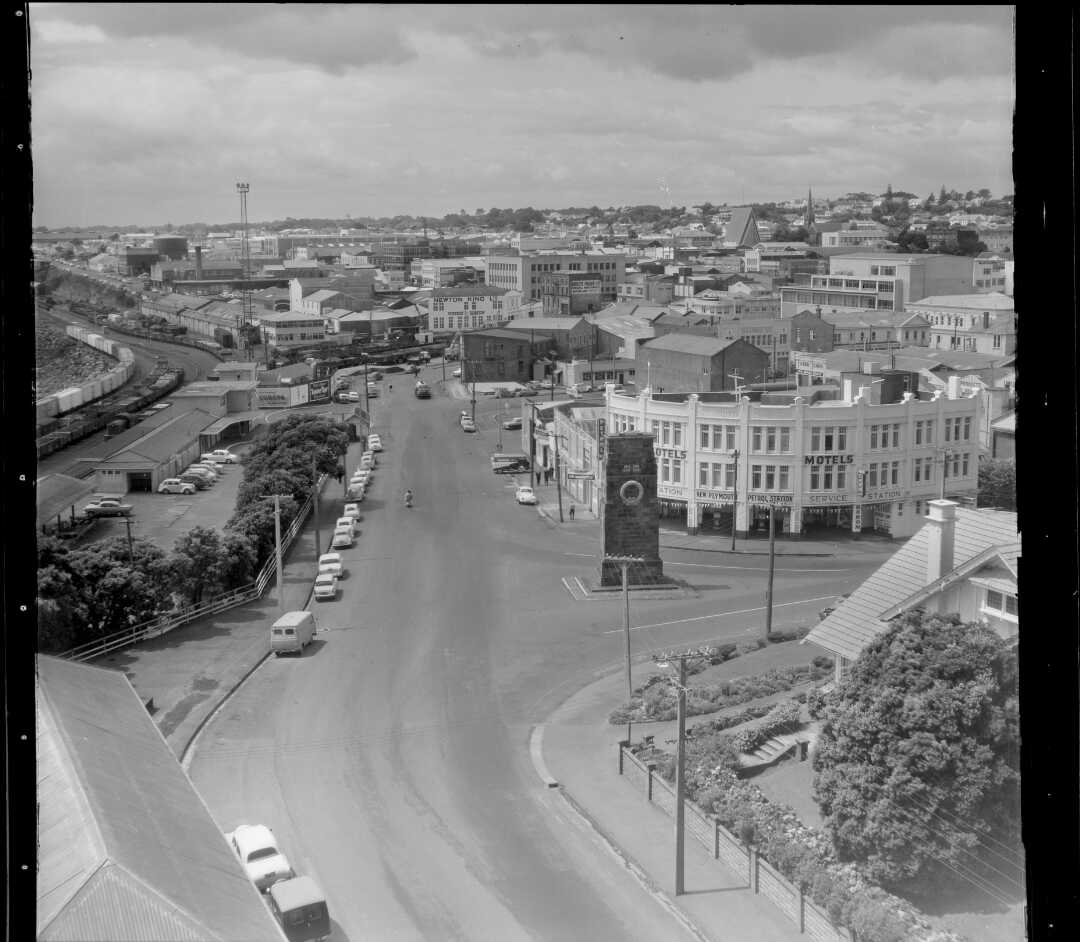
{"x":781,"y":505}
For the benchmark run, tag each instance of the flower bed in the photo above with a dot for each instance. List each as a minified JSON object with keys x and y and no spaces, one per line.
{"x":658,"y":699}
{"x":782,"y":718}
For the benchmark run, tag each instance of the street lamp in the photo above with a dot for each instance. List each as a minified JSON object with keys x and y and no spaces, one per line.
{"x":277,"y":550}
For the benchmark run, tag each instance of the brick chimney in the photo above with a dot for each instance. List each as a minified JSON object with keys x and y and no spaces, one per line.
{"x":198,"y":262}
{"x":941,"y":528}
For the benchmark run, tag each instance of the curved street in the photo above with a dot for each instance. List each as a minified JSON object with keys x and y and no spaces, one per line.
{"x":392,"y":760}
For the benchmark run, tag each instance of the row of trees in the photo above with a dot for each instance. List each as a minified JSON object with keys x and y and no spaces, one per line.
{"x":117,"y":583}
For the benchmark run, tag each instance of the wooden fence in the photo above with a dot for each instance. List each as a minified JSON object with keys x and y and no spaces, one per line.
{"x":744,"y":861}
{"x":163,"y":624}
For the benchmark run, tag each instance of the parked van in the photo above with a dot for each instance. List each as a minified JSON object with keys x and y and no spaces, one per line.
{"x":300,"y":909}
{"x":293,"y":631}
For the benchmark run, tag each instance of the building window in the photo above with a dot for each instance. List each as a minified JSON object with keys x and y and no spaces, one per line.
{"x":894,"y":473}
{"x":784,"y":482}
{"x":1001,"y":604}
{"x":785,"y":440}
{"x":815,"y":438}
{"x":717,"y":475}
{"x":757,"y":437}
{"x":873,"y":437}
{"x":704,"y":436}
{"x":755,"y":477}
{"x":871,"y":476}
{"x":656,"y":430}
{"x":676,"y":435}
{"x":729,"y":477}
{"x":703,"y":474}
{"x":896,"y":436}
{"x":841,"y":477}
{"x":967,"y":428}
{"x":815,"y":477}
{"x":827,"y":477}
{"x":676,"y":471}
{"x":730,"y":436}
{"x":770,"y":440}
{"x":770,"y":477}
{"x":665,"y":433}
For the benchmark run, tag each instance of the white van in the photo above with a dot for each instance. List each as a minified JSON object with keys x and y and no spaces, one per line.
{"x":293,"y":631}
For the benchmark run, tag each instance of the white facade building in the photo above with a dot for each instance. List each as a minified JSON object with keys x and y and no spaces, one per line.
{"x":846,"y":463}
{"x":470,"y":307}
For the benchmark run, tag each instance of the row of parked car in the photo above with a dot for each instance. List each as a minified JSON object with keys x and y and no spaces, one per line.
{"x":200,"y":475}
{"x":296,"y":901}
{"x":347,"y":527}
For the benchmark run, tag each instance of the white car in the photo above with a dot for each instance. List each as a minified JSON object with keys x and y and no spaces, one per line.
{"x":361,"y":479}
{"x":213,"y":467}
{"x":325,"y":586}
{"x":352,"y":510}
{"x":525,"y":495}
{"x":456,"y":372}
{"x":511,"y":424}
{"x":347,"y":521}
{"x":331,"y":563}
{"x":369,"y":456}
{"x":175,"y":486}
{"x":208,"y":476}
{"x":343,"y":539}
{"x":374,"y":443}
{"x":257,"y":849}
{"x":221,"y":454}
{"x":356,"y":491}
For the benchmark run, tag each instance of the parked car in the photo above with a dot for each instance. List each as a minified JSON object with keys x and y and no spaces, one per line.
{"x":343,"y":539}
{"x":208,"y":476}
{"x":347,"y":521}
{"x":374,"y":443}
{"x":351,"y":510}
{"x":512,"y":424}
{"x":360,"y":476}
{"x":210,"y":467}
{"x":456,"y":373}
{"x":221,"y":454}
{"x":107,"y":507}
{"x":325,"y":586}
{"x":349,"y":395}
{"x":369,"y":455}
{"x":175,"y":486}
{"x":372,"y":391}
{"x":200,"y":482}
{"x":257,"y":849}
{"x":468,"y":425}
{"x":355,"y":491}
{"x":331,"y":563}
{"x":527,"y":391}
{"x":525,"y":495}
{"x":299,"y":906}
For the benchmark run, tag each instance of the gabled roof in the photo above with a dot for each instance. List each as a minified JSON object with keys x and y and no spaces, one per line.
{"x":163,"y":442}
{"x":57,"y":493}
{"x":695,"y":344}
{"x":862,"y":617}
{"x":503,"y":333}
{"x":742,"y":230}
{"x":127,"y":848}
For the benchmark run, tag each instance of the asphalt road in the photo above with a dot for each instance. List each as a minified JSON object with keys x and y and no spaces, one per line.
{"x":392,"y":759}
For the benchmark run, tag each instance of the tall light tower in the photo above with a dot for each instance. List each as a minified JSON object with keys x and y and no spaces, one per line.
{"x":247,"y":315}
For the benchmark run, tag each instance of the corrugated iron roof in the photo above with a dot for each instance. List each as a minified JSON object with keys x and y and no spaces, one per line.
{"x":857,"y":621}
{"x":129,"y":852}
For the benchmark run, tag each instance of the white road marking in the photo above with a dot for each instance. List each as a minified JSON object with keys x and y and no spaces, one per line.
{"x":742,"y":611}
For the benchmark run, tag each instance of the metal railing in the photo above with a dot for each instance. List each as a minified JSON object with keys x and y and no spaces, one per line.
{"x":163,"y":624}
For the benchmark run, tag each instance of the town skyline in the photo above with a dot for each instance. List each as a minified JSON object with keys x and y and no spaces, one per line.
{"x":340,"y":110}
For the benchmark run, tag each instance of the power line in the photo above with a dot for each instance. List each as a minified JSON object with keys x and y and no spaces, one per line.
{"x":957,"y":824}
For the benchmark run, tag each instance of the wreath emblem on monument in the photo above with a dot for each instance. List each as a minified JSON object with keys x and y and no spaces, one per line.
{"x":631,"y":492}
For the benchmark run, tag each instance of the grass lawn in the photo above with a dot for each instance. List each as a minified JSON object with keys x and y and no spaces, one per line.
{"x":788,"y":783}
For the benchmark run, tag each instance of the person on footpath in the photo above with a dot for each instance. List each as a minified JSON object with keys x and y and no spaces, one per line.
{"x":571,"y":511}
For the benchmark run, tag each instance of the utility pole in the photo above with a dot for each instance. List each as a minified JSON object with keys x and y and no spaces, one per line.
{"x":680,"y":760}
{"x":558,"y":481}
{"x":315,"y":505}
{"x":131,"y":544}
{"x":277,"y":553}
{"x":734,"y":497}
{"x":472,"y":369}
{"x":772,"y":568}
{"x":624,"y":563}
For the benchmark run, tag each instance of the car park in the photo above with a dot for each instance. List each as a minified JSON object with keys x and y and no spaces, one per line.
{"x":331,"y":563}
{"x":511,"y":424}
{"x":257,"y":849}
{"x":175,"y":486}
{"x":525,"y":495}
{"x":326,"y":586}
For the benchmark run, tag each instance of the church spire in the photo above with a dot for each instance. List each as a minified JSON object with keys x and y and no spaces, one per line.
{"x":809,"y":220}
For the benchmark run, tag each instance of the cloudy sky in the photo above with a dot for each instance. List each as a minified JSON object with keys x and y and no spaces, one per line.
{"x":149,"y":113}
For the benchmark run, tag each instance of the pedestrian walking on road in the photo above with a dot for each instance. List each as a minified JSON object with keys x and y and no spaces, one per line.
{"x":571,"y":511}
{"x":537,"y":478}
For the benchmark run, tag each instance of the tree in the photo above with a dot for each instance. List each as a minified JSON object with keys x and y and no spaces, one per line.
{"x":984,"y":193}
{"x":930,"y":200}
{"x":205,"y":563}
{"x":943,"y":197}
{"x":918,"y":756}
{"x":997,"y":483}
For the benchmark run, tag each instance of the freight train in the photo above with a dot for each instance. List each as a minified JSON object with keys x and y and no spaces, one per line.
{"x":74,"y":413}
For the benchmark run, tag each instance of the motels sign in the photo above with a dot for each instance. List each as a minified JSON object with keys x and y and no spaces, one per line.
{"x":828,"y":459}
